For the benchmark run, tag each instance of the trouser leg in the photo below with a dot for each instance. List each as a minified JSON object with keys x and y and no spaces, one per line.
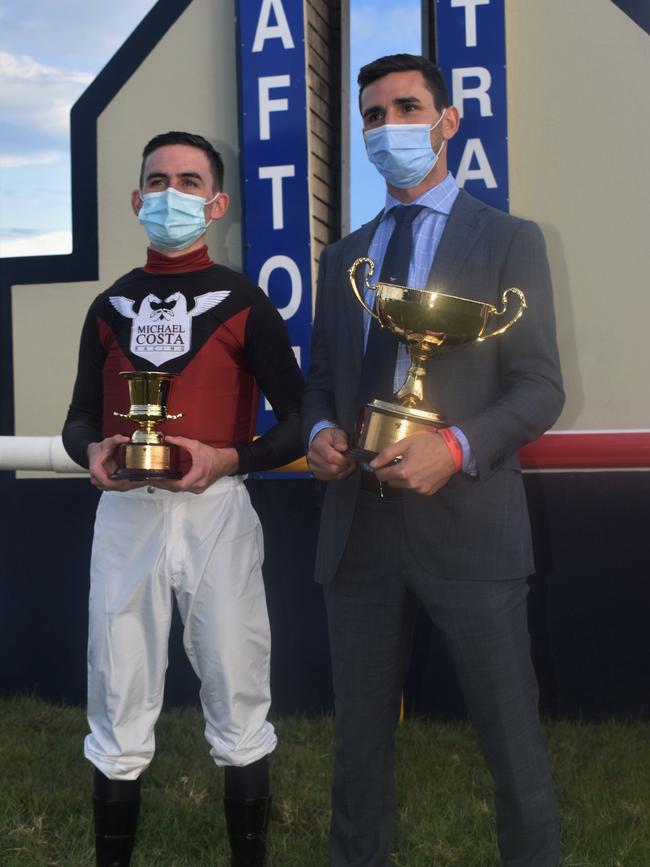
{"x":370,"y":619}
{"x":222,"y":602}
{"x":116,"y":805}
{"x":129,"y":621}
{"x":486,"y":629}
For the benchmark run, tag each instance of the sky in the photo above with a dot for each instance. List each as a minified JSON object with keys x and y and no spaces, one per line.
{"x":376,"y":28}
{"x":51,"y":51}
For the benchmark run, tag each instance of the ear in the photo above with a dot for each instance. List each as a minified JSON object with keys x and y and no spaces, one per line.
{"x":219,"y":208}
{"x":136,"y":202}
{"x":450,"y":122}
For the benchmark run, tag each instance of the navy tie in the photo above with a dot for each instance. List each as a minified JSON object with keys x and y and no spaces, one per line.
{"x":378,"y":369}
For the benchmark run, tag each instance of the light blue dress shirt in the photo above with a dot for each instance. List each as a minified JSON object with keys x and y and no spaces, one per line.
{"x":428,"y":227}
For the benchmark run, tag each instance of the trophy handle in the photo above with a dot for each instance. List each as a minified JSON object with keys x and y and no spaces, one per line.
{"x":122,"y":415}
{"x":504,"y":302}
{"x":351,"y":272}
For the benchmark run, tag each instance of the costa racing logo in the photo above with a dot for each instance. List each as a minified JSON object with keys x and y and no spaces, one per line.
{"x":162,"y":328}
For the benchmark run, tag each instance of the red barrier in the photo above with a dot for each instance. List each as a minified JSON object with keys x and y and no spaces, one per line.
{"x":588,"y":450}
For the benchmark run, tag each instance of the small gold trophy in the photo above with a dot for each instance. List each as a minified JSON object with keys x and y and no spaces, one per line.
{"x":147,"y":456}
{"x":429,"y":323}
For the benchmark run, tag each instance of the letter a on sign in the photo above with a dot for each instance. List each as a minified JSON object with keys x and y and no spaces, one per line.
{"x":265,"y":30}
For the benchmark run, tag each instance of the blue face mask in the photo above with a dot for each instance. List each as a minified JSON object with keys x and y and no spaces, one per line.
{"x":402,"y":152}
{"x":173,"y":220}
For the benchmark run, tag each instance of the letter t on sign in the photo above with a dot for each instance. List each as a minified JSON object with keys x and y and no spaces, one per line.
{"x":471,"y":40}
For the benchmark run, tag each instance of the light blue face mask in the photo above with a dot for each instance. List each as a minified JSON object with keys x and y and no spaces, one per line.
{"x":173,"y":220}
{"x":402,"y":152}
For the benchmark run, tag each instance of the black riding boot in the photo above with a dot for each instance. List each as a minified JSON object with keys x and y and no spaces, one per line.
{"x":247,"y":823}
{"x":116,"y":804}
{"x":247,"y":806}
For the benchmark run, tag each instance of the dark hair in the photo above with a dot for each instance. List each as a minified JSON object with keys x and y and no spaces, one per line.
{"x":405,"y":63}
{"x":193,"y":140}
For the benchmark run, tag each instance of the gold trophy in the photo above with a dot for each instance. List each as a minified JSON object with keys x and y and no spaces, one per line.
{"x":429,"y":323}
{"x":147,"y":456}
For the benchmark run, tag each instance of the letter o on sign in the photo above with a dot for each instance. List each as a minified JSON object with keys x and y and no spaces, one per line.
{"x":292,"y":270}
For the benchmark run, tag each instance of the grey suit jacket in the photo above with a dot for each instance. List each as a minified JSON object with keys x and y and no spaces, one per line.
{"x":502,"y":393}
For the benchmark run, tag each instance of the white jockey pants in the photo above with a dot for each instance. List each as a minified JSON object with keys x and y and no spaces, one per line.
{"x":207,"y":551}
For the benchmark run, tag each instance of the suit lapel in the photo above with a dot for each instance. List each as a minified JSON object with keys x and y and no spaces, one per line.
{"x":463,"y":229}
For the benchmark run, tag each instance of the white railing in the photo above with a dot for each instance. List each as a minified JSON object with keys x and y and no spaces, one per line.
{"x":36,"y":453}
{"x":47,"y":453}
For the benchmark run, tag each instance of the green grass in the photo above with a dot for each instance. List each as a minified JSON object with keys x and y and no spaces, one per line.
{"x":445,"y":812}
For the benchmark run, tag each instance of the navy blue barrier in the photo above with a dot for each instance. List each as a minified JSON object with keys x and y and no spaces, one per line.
{"x":588,"y":608}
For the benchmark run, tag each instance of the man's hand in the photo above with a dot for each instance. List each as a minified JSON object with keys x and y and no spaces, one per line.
{"x":325,"y":456}
{"x":102,"y":463}
{"x":208,"y":465}
{"x":426,"y":463}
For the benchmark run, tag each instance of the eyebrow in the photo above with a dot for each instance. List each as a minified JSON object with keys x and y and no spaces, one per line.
{"x":152,"y":176}
{"x":400,"y":100}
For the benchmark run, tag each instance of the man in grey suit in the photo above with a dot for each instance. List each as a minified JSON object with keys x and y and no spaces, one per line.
{"x":447,"y":524}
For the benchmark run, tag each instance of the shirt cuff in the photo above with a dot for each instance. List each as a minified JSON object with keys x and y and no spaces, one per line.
{"x":318,"y":427}
{"x":469,"y":461}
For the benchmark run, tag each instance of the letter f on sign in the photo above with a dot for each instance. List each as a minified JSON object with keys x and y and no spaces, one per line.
{"x":267,"y":104}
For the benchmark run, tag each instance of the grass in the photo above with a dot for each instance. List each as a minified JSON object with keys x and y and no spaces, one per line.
{"x":445,"y":812}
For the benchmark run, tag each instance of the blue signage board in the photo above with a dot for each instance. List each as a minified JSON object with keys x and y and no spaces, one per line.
{"x":274,"y":164}
{"x":471,"y":53}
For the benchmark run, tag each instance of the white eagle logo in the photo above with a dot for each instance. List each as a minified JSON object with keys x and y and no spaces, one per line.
{"x":162,"y":328}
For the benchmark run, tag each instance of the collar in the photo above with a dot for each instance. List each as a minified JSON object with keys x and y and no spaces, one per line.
{"x":196,"y":260}
{"x":439,"y":198}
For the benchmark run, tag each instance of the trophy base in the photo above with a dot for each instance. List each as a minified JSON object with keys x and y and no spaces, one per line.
{"x":144,"y":475}
{"x":386,"y":423}
{"x":139,"y":462}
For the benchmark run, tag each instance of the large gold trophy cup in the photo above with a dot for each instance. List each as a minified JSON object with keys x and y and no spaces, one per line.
{"x":429,"y":323}
{"x":147,"y":455}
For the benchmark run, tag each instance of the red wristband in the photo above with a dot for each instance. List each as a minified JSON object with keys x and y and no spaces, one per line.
{"x":455,"y":448}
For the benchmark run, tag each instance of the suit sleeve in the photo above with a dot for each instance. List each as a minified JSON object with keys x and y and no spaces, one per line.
{"x":83,"y":424}
{"x":531,"y":396}
{"x":318,"y":400}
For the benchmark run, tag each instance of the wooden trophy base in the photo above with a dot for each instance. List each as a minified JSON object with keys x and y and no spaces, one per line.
{"x":141,"y":461}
